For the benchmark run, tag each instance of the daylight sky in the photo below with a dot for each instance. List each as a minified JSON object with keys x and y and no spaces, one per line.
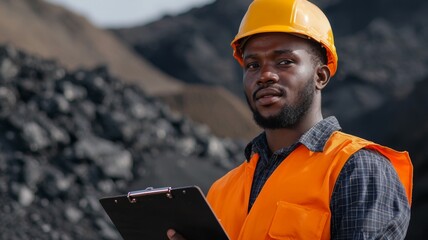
{"x":123,"y":13}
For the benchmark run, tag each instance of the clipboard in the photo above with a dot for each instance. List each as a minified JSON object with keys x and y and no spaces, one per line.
{"x":148,"y":214}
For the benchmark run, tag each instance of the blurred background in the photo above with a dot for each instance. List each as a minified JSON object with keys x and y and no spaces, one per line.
{"x":102,"y":97}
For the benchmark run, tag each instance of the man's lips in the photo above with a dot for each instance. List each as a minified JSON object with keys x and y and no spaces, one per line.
{"x":267,"y":92}
{"x":266,"y":96}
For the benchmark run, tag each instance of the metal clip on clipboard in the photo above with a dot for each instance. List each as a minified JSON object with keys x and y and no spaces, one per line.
{"x":132,"y":196}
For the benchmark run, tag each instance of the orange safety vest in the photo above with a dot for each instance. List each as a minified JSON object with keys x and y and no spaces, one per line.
{"x":297,"y":193}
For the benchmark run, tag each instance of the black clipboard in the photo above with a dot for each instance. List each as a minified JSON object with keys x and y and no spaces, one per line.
{"x":148,"y":214}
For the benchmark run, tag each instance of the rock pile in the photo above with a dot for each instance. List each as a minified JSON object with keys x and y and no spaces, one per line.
{"x":69,"y":138}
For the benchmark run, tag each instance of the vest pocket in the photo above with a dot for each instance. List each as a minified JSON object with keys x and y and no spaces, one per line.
{"x":292,"y":221}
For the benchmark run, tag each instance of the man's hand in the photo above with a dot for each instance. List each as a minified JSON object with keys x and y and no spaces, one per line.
{"x":173,"y":235}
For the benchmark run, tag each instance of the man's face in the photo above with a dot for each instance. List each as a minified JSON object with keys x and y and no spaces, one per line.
{"x":279,"y":75}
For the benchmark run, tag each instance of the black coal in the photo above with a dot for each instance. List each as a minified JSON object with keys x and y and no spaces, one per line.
{"x":69,"y":138}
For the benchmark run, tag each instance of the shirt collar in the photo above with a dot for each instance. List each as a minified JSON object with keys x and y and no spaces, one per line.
{"x":314,"y":139}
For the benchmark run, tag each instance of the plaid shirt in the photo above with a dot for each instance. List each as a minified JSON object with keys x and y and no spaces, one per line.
{"x":368,"y":201}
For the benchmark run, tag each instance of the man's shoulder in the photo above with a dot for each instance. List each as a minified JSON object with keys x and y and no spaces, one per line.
{"x":367,"y":157}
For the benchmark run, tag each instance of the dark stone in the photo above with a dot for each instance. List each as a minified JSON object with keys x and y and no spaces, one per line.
{"x":113,"y":160}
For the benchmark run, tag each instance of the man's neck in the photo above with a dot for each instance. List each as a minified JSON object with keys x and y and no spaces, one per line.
{"x":285,"y":137}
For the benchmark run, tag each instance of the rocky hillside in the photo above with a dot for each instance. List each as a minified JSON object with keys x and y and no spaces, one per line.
{"x":71,"y":137}
{"x":378,"y":91}
{"x":53,"y":32}
{"x":382,"y":56}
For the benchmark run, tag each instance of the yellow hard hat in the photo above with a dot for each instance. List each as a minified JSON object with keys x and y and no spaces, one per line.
{"x":299,"y":17}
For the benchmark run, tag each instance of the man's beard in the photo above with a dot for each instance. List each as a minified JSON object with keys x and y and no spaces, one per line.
{"x":290,"y":115}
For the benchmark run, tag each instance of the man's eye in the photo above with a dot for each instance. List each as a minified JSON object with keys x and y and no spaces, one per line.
{"x":285,"y":62}
{"x":252,"y":65}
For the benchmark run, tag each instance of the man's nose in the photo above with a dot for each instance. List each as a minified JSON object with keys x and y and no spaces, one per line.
{"x":267,"y":76}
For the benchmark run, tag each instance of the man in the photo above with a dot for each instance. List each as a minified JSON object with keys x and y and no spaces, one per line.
{"x":304,"y":178}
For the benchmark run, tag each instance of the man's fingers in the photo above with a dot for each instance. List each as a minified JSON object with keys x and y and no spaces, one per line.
{"x":173,"y":235}
{"x":170,"y":233}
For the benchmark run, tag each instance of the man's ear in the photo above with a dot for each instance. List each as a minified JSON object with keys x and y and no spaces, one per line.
{"x":322,"y":76}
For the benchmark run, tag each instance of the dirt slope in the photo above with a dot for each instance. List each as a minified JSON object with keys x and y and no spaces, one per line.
{"x":53,"y":32}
